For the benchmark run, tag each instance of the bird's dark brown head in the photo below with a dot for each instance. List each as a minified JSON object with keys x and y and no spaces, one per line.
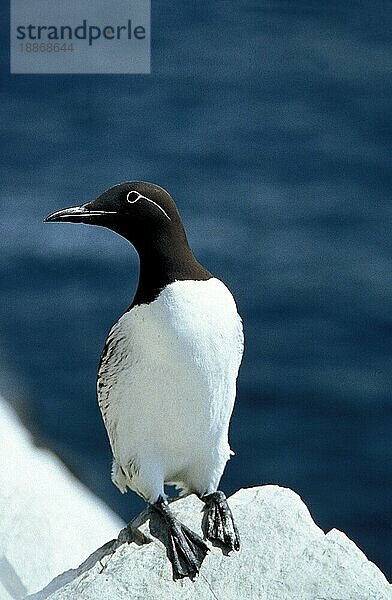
{"x":137,"y":210}
{"x":145,"y":215}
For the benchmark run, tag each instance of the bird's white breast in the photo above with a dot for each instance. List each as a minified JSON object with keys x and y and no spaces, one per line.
{"x":166,"y":385}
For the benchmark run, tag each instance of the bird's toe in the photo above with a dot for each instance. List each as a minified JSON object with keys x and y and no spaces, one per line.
{"x":218,"y":525}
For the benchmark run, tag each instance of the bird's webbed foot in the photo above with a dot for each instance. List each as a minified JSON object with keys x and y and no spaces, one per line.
{"x":218,"y":522}
{"x":186,"y":550}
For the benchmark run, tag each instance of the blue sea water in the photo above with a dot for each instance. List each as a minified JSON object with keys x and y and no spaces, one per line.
{"x":270,"y":124}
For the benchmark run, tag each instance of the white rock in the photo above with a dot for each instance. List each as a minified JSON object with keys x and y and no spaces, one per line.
{"x":49,"y":522}
{"x":284,"y":556}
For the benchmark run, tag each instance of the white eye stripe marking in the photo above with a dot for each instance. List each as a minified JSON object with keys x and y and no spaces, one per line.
{"x":138,"y":196}
{"x":157,"y":205}
{"x":141,"y":197}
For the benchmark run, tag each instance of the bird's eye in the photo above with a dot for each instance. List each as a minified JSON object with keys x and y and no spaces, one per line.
{"x":133,"y":197}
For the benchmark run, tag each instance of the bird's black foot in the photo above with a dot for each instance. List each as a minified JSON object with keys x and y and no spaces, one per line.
{"x":218,"y":522}
{"x":186,"y":550}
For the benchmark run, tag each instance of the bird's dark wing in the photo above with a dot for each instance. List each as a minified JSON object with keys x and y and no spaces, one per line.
{"x":109,"y":366}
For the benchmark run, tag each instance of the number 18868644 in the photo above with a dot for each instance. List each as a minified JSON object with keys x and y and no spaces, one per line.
{"x":45,"y":47}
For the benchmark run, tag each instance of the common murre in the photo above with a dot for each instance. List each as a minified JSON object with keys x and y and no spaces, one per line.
{"x":167,"y":376}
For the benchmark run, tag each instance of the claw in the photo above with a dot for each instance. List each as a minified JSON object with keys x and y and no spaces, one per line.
{"x":186,"y":550}
{"x":219,"y":523}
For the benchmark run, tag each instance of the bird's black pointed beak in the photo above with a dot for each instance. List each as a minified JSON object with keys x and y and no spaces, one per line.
{"x":78,"y":214}
{"x":74,"y":214}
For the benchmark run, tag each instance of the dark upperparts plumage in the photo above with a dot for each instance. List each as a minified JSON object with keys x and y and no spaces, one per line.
{"x":145,"y":215}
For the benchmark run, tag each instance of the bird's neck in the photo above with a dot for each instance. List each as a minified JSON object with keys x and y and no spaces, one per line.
{"x":165,"y":260}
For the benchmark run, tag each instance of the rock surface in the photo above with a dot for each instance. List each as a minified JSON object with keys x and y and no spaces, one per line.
{"x":49,"y":522}
{"x":284,"y":556}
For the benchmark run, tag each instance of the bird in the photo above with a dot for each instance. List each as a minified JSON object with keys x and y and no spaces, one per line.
{"x":167,"y":377}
